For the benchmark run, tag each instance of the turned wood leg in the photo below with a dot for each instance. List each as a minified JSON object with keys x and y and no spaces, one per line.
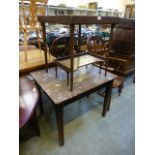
{"x":107,"y":99}
{"x":60,"y":126}
{"x":25,"y":45}
{"x":71,"y":80}
{"x":39,"y":45}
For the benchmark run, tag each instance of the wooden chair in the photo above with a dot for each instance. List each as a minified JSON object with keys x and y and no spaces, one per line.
{"x":60,"y":47}
{"x":121,"y":49}
{"x":29,"y":9}
{"x":96,"y":45}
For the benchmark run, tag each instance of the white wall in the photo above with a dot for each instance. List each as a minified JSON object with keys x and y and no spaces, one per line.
{"x":115,"y":4}
{"x":130,"y":1}
{"x":106,"y":4}
{"x":69,"y":3}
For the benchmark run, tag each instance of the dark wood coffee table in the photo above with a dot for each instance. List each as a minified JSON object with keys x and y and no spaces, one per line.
{"x":86,"y":81}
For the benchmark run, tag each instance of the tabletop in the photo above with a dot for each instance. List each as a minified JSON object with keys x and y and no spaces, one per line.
{"x":35,"y":61}
{"x":85,"y":79}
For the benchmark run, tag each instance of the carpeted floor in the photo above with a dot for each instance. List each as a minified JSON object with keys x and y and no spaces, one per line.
{"x":86,"y":131}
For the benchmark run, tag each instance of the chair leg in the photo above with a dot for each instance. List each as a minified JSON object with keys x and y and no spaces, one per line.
{"x":67,"y":78}
{"x":100,"y":67}
{"x":106,"y":65}
{"x":120,"y":89}
{"x":134,"y":79}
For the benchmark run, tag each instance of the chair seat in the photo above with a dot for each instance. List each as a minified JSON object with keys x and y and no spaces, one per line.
{"x":118,"y":81}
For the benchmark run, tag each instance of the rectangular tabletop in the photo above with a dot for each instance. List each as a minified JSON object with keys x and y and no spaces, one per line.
{"x":85,"y":79}
{"x":35,"y":60}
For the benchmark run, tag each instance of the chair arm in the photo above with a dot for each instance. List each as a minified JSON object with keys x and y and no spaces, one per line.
{"x":118,"y":59}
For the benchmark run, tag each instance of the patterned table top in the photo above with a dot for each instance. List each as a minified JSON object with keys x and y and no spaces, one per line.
{"x":85,"y":78}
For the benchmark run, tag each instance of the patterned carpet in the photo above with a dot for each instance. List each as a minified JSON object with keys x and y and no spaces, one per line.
{"x":86,"y":131}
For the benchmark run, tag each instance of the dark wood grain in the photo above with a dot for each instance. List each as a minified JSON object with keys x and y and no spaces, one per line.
{"x":69,"y":20}
{"x":28,"y":99}
{"x":45,"y":45}
{"x":87,"y":81}
{"x":122,"y":49}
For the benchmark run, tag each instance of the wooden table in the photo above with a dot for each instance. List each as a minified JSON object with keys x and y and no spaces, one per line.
{"x":35,"y":60}
{"x":86,"y":81}
{"x":80,"y":60}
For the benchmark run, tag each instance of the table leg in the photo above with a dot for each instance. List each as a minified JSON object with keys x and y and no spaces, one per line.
{"x":100,"y":67}
{"x":67,"y":78}
{"x":107,"y":98}
{"x":59,"y":118}
{"x":35,"y":124}
{"x":40,"y":102}
{"x":56,"y":71}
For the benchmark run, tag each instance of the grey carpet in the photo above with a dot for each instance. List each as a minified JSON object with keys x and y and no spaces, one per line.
{"x":86,"y":131}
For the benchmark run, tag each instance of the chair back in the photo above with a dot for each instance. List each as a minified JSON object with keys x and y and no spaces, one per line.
{"x":61,"y":46}
{"x":95,"y":44}
{"x":29,"y":10}
{"x":123,"y":40}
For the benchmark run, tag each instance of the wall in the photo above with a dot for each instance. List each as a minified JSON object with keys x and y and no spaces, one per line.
{"x":130,"y":1}
{"x":105,"y":4}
